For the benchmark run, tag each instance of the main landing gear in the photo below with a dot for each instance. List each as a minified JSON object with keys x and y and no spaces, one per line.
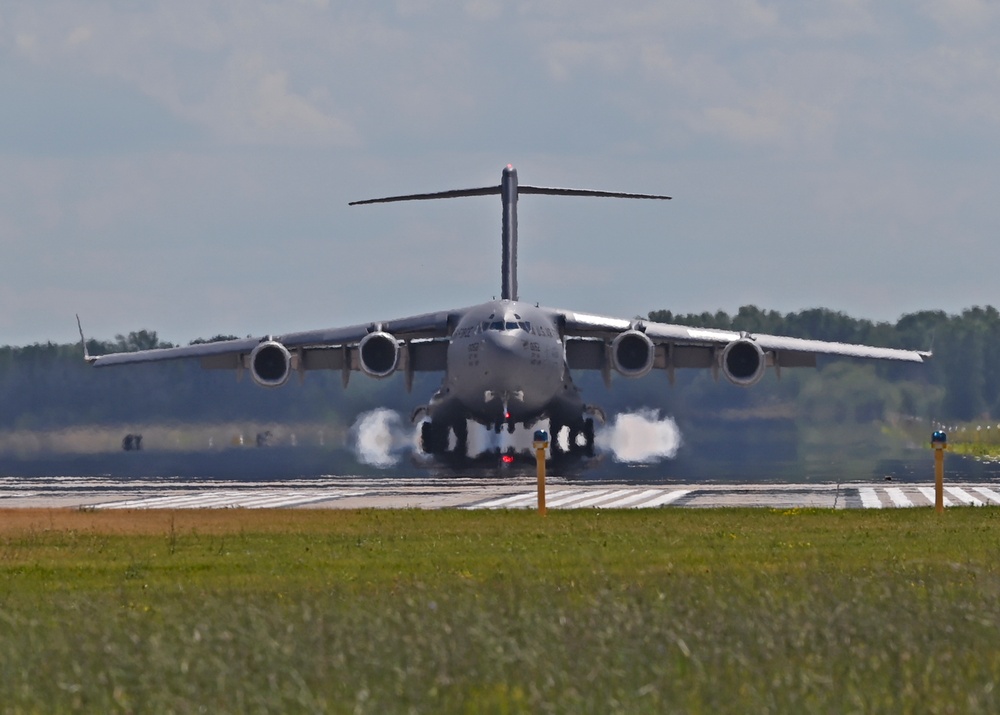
{"x":435,"y":437}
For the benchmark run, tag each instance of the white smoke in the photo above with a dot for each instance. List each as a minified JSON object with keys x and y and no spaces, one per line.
{"x":380,"y":437}
{"x":641,"y":436}
{"x":481,"y":439}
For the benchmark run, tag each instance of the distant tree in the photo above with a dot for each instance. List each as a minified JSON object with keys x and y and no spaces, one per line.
{"x":140,"y":340}
{"x":214,"y":339}
{"x":49,"y":385}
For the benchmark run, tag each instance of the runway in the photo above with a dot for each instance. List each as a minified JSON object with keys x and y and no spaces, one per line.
{"x":468,"y":493}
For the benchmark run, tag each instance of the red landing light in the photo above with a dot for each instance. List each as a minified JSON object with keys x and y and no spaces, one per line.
{"x":507,"y":459}
{"x":506,"y":415}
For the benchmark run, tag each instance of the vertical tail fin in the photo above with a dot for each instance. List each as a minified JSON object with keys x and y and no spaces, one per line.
{"x":508,"y":190}
{"x":508,"y":234}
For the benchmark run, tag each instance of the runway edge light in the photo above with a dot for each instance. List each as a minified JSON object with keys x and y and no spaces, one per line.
{"x":939,"y":441}
{"x":541,"y":443}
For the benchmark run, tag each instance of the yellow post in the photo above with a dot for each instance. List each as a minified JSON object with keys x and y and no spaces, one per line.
{"x":541,"y":443}
{"x":939,"y":441}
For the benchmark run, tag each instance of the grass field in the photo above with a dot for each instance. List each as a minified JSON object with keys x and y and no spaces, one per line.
{"x":672,"y":610}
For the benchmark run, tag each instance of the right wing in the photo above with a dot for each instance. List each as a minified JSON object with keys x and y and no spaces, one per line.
{"x":420,"y":340}
{"x":591,"y":342}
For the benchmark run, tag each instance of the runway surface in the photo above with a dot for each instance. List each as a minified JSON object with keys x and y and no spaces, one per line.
{"x":467,"y":493}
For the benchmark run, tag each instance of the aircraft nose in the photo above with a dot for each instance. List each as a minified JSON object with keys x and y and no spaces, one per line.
{"x":501,"y":343}
{"x":505,"y":354}
{"x":501,"y":346}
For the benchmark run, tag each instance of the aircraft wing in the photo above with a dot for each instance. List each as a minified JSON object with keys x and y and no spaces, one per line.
{"x":421,"y":340}
{"x":590,"y":340}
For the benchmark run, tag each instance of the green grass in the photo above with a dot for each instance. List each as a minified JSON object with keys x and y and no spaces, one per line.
{"x":674,"y":610}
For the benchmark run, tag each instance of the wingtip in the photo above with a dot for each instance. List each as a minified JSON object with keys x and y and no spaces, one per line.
{"x":83,"y":341}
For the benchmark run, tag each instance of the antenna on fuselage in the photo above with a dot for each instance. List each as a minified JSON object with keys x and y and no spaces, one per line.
{"x":508,"y":190}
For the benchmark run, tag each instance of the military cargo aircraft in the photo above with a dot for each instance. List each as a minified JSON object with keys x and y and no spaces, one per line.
{"x":507,"y":362}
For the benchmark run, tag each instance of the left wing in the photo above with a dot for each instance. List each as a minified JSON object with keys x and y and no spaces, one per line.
{"x":633,"y":348}
{"x":412,"y":344}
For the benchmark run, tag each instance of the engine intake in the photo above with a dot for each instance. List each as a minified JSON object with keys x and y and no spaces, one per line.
{"x":270,"y":364}
{"x":743,"y":362}
{"x":632,"y":354}
{"x":379,"y":354}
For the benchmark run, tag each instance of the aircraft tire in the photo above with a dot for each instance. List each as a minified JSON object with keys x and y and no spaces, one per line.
{"x":433,"y":438}
{"x":554,"y":429}
{"x":461,"y":438}
{"x":588,"y":436}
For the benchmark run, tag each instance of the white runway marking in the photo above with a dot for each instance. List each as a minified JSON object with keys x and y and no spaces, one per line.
{"x":869,"y":499}
{"x":582,"y":498}
{"x":668,"y":498}
{"x":625,"y":501}
{"x":594,"y":501}
{"x":571,"y":495}
{"x":989,"y":493}
{"x":898,"y":498}
{"x":228,"y":500}
{"x":504,"y":502}
{"x":513,"y":492}
{"x":928,"y":493}
{"x":964,"y":496}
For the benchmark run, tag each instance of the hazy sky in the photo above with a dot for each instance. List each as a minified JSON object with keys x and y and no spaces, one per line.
{"x":185,"y":166}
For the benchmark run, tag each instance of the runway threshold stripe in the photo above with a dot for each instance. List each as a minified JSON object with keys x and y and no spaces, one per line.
{"x":898,"y":497}
{"x":597,"y":499}
{"x":869,"y":498}
{"x":271,"y":501}
{"x":572,"y":495}
{"x":228,"y":499}
{"x":218,"y":500}
{"x":630,"y":499}
{"x":928,"y":493}
{"x":989,"y":493}
{"x":664,"y":499}
{"x":964,"y":496}
{"x":502,"y":501}
{"x":144,"y":502}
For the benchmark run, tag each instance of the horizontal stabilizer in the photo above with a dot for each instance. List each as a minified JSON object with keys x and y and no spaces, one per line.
{"x":493,"y":190}
{"x":586,"y":192}
{"x":456,"y":194}
{"x":508,"y":190}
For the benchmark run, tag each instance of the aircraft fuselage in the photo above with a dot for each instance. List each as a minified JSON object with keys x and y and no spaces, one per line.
{"x":506,"y":364}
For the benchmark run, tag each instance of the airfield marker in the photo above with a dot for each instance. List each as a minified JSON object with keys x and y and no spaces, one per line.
{"x":939,"y":441}
{"x":541,"y":443}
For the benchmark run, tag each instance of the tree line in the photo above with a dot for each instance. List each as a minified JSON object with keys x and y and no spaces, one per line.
{"x":49,"y":386}
{"x":961,"y":382}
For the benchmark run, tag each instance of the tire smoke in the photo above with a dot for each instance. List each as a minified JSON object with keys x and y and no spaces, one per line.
{"x":380,"y":438}
{"x":641,"y":436}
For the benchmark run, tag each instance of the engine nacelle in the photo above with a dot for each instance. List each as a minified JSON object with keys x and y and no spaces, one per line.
{"x":378,"y":354}
{"x":270,"y":364}
{"x":632,"y":354}
{"x":743,"y":362}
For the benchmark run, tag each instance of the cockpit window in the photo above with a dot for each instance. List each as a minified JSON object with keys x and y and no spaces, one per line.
{"x":503,"y":325}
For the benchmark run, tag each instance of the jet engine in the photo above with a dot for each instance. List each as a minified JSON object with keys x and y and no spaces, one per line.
{"x":632,"y":354}
{"x":270,"y":364}
{"x":743,"y":362}
{"x":379,"y":354}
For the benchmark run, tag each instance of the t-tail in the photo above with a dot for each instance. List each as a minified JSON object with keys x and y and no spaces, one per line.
{"x":509,"y":190}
